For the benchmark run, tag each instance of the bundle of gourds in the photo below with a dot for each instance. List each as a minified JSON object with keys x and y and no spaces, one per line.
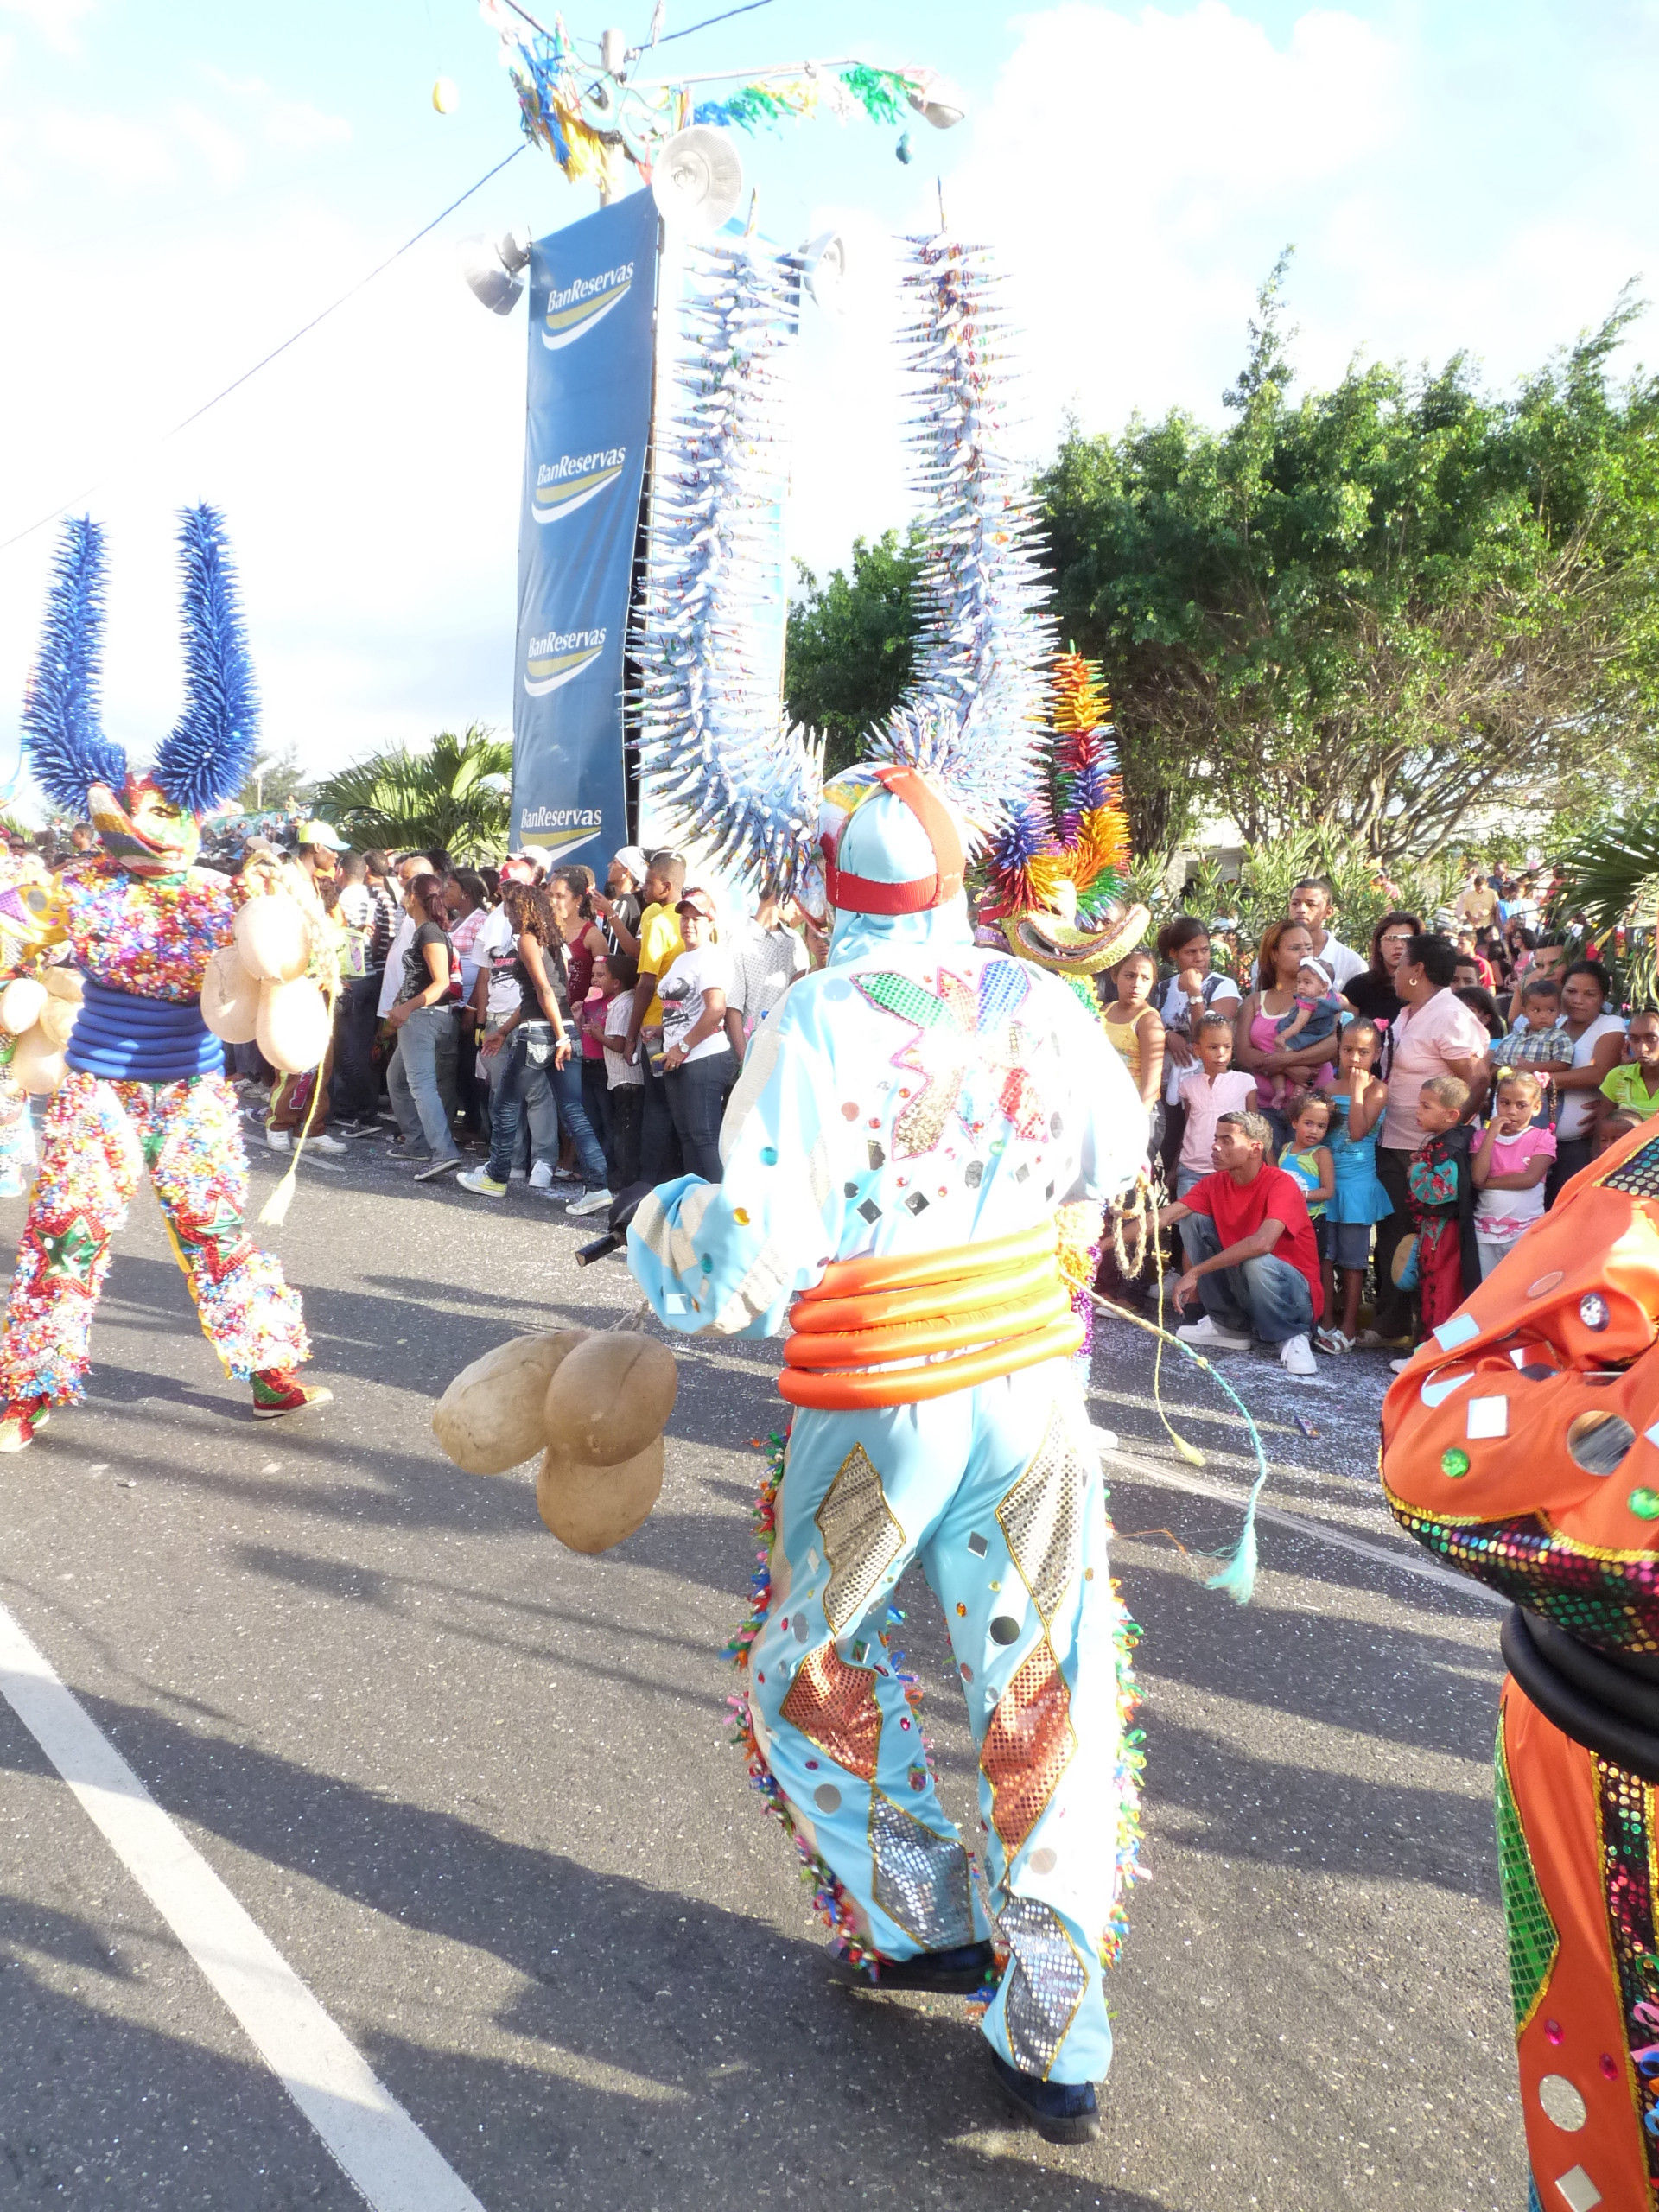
{"x":256,"y":989}
{"x":593,"y":1402}
{"x":39,"y":1011}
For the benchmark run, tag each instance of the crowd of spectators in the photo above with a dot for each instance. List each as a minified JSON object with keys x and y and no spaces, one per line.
{"x":1349,"y":1141}
{"x":573,"y":1037}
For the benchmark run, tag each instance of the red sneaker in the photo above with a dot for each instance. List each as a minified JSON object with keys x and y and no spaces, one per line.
{"x":19,"y":1419}
{"x":278,"y":1391}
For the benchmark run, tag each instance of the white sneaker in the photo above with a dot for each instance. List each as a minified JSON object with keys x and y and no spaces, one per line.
{"x":515,"y":1174}
{"x":326,"y":1143}
{"x":277,"y":1140}
{"x":540,"y":1176}
{"x":1296,"y":1357}
{"x":590,"y":1202}
{"x":1210,"y":1335}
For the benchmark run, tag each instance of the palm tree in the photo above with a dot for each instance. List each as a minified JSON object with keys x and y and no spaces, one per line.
{"x":455,"y":794}
{"x":1611,"y":875}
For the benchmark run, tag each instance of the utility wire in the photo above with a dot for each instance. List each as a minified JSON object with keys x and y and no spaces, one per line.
{"x":709,"y":22}
{"x":303,"y":330}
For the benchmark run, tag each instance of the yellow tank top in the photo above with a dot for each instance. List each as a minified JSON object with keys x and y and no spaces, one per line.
{"x":1126,"y":1036}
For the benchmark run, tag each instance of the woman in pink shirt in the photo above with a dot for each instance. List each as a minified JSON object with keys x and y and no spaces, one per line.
{"x":1435,"y":1034}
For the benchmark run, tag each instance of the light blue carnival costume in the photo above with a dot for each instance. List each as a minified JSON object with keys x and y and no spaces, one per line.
{"x":910,"y":1124}
{"x":923,"y":1092}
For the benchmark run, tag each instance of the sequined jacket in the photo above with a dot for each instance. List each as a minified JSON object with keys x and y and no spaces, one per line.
{"x":920,"y":1092}
{"x":152,"y":938}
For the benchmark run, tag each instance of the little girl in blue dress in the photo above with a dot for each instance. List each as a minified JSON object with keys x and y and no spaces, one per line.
{"x":1358,"y":1098}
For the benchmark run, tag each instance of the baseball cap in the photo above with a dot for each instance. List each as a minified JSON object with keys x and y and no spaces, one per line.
{"x":698,"y":901}
{"x":632,"y":857}
{"x":324,"y":834}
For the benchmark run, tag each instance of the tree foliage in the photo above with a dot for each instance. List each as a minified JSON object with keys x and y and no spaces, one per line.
{"x":455,"y":794}
{"x":1368,"y":612}
{"x":851,"y":647}
{"x":283,"y":788}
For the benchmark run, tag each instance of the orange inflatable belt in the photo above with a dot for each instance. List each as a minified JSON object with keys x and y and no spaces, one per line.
{"x":895,"y":1330}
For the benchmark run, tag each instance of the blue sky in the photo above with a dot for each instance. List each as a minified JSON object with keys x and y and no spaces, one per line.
{"x":182,"y":184}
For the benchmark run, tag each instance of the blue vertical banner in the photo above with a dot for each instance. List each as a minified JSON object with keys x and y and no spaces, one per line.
{"x":593,"y":290}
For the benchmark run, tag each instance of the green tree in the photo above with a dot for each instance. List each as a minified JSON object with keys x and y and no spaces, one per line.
{"x":1365,"y":612}
{"x":279,"y":784}
{"x":455,"y":794}
{"x":851,"y":647}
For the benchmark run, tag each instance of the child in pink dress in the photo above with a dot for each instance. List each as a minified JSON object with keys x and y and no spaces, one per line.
{"x":1509,"y":1166}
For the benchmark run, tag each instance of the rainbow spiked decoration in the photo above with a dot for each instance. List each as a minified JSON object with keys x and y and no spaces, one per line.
{"x":715,"y":751}
{"x":1056,"y":879}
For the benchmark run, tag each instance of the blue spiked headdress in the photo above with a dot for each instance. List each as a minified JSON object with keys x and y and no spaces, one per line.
{"x":206,"y":757}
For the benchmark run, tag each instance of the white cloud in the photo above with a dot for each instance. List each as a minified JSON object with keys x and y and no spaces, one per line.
{"x":297,"y":127}
{"x":54,"y":20}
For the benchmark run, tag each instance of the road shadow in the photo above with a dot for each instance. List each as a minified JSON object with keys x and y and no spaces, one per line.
{"x":781,"y":2088}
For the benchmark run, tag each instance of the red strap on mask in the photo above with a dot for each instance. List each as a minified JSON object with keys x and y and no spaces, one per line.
{"x":861,"y":895}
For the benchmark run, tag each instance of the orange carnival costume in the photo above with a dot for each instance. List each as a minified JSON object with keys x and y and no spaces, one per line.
{"x":1521,"y":1444}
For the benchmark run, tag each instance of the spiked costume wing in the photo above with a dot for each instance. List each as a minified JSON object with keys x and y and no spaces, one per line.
{"x":714,"y":748}
{"x":207,"y":755}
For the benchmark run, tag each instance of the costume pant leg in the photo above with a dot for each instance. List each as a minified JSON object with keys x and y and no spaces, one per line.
{"x":90,"y":1165}
{"x":191,"y":1144}
{"x":1019,"y":1560}
{"x":1576,"y":1836}
{"x":833,"y":1731}
{"x":17,"y":1151}
{"x":1000,"y":1491}
{"x":1439,"y":1271}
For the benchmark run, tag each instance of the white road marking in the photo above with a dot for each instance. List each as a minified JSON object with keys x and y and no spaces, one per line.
{"x":1402,"y":1562}
{"x":363,"y":2127}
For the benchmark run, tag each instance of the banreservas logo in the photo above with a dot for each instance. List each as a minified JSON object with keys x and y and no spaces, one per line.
{"x":564,"y":485}
{"x":553,"y":659}
{"x":577,"y":306}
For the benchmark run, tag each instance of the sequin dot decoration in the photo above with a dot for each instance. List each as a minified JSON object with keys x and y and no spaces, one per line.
{"x":1562,"y":2105}
{"x":1454,"y":1463}
{"x":1005,"y":1629}
{"x":1644,"y":1504}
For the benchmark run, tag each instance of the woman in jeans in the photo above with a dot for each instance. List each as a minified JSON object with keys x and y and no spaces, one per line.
{"x":540,"y":1034}
{"x":699,"y":1066}
{"x":424,"y":1016}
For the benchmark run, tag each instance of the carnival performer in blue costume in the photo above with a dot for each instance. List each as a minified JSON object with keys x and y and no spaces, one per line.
{"x":903,"y":1133}
{"x":145,"y":1092}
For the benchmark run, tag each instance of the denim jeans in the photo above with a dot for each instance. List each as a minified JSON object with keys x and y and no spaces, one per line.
{"x":1268,"y":1295}
{"x":539,"y":1120}
{"x":697,"y":1092}
{"x":357,"y":1094}
{"x":1185,"y":1178}
{"x":660,"y":1141}
{"x":622,"y":1146}
{"x":573,"y":1120}
{"x":421,"y":1080}
{"x":528,"y":1054}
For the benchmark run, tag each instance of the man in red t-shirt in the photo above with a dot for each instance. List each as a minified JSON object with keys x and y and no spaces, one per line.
{"x":1257,"y":1263}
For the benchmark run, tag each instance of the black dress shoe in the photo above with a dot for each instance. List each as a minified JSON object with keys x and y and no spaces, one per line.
{"x":956,"y":1972}
{"x":1061,"y":2112}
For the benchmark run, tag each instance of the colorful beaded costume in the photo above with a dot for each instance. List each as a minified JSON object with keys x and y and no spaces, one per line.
{"x":145,"y":1090}
{"x":1522,"y":1446}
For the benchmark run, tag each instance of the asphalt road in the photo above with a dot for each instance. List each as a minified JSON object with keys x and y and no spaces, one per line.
{"x":478,"y":1792}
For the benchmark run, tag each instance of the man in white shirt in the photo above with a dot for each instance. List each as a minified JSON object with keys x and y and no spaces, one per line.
{"x":1310,"y":902}
{"x":767,"y":957}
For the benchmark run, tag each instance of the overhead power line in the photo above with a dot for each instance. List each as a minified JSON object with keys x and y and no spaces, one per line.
{"x":196,"y":413}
